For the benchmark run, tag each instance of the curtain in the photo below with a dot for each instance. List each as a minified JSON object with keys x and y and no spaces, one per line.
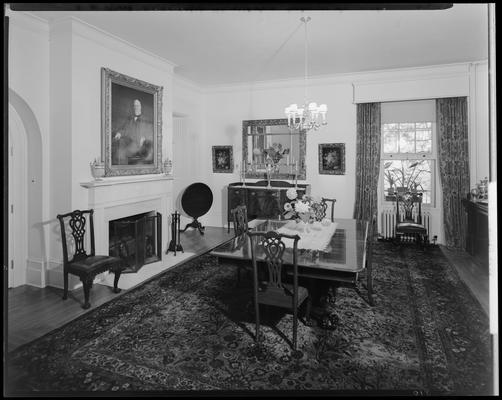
{"x":367,"y":159}
{"x":453,"y":158}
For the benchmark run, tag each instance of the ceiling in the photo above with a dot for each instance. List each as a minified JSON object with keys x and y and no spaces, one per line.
{"x":213,"y":47}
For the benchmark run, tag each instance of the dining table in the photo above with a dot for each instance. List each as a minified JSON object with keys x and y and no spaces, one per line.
{"x":330,"y":253}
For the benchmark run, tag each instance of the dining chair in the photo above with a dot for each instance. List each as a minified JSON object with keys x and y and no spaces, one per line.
{"x":84,"y":263}
{"x":274,"y":292}
{"x":240,"y":220}
{"x":409,"y":225}
{"x":320,"y":212}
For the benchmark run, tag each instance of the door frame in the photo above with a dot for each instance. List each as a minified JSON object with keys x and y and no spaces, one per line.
{"x":18,"y":204}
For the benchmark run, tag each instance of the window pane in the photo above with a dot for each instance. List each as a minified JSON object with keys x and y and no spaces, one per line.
{"x":421,"y":125}
{"x":407,"y":126}
{"x":409,"y":174}
{"x":407,"y":142}
{"x":424,"y":146}
{"x":390,"y":142}
{"x":424,"y":134}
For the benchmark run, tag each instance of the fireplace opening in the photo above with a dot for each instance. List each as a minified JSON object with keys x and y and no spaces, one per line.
{"x":136,"y":239}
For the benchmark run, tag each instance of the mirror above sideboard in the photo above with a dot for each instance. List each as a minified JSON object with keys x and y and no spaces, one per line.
{"x":270,"y":141}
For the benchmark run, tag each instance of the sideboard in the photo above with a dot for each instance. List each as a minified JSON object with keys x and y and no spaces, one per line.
{"x":261,"y":201}
{"x":477,"y":231}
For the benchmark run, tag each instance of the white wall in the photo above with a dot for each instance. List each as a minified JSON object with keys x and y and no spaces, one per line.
{"x":478,"y":122}
{"x":28,"y":68}
{"x":59,"y":80}
{"x":55,"y":69}
{"x":188,"y":111}
{"x":81,"y":51}
{"x":228,"y":106}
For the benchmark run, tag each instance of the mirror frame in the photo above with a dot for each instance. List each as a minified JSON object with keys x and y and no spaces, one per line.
{"x":302,"y":172}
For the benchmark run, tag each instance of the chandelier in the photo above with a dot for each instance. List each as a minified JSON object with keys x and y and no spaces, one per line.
{"x":309,"y":115}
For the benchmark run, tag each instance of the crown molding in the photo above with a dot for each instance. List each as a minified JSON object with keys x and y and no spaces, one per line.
{"x":27,"y":21}
{"x":114,"y":43}
{"x":363,"y":77}
{"x":186,"y":83}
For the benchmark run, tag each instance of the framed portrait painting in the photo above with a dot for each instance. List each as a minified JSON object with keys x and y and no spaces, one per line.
{"x":131,"y":125}
{"x":332,"y":159}
{"x":223,"y":159}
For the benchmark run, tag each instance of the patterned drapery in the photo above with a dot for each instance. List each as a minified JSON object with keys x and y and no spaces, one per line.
{"x":453,"y":157}
{"x":367,"y":159}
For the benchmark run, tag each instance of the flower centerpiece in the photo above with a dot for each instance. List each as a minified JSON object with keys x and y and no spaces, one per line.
{"x":303,"y":209}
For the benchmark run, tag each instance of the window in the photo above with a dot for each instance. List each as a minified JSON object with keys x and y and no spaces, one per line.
{"x":408,"y":158}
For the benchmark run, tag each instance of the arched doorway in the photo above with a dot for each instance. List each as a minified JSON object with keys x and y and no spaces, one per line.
{"x":18,"y":224}
{"x":26,"y":197}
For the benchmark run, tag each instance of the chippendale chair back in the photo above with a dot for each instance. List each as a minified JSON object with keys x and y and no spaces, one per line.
{"x":321,"y":210}
{"x":84,"y":263}
{"x":406,"y":202}
{"x":274,"y":291}
{"x":409,"y":217}
{"x":240,"y":218}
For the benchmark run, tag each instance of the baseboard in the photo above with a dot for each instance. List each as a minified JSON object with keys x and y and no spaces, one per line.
{"x":35,"y":273}
{"x":54,"y":276}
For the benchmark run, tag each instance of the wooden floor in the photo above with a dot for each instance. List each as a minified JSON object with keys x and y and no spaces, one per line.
{"x":34,"y":312}
{"x":475,"y":277}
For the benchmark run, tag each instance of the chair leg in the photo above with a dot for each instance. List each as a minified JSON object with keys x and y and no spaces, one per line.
{"x":257,"y":320}
{"x":369,"y":283}
{"x":116,"y":289}
{"x":308,"y":320}
{"x":87,"y":282}
{"x":65,"y":282}
{"x":295,"y":326}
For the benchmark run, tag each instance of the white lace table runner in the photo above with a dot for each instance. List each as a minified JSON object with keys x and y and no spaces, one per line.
{"x":314,"y":236}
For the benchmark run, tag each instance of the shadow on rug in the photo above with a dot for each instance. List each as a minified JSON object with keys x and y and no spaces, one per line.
{"x":190,"y":329}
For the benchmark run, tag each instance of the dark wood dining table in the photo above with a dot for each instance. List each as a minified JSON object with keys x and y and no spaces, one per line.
{"x":341,"y":261}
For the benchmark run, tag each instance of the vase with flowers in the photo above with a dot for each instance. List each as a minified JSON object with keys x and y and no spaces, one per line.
{"x":303,"y":209}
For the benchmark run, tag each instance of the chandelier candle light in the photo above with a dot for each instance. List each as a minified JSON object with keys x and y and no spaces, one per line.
{"x":307,"y":116}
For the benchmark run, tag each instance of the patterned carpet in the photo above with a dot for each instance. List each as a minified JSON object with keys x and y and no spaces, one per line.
{"x":190,"y":329}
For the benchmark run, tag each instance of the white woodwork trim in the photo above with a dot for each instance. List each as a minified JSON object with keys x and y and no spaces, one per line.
{"x":54,"y":276}
{"x":358,"y":78}
{"x":27,"y":21}
{"x":412,"y":89}
{"x":18,"y":198}
{"x":35,"y":273}
{"x":185,"y":83}
{"x":114,"y":43}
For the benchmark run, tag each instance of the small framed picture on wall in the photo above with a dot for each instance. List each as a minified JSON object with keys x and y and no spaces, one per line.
{"x":332,"y":159}
{"x":223,"y":159}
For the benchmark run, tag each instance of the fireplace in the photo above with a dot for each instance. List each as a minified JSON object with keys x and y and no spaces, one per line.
{"x":136,"y":239}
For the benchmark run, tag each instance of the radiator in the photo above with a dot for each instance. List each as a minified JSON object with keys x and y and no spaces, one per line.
{"x":388,"y":222}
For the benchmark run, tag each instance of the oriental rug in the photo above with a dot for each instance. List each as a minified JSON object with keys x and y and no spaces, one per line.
{"x":190,"y":329}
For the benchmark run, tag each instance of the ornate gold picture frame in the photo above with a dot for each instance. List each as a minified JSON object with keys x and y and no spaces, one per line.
{"x":131,"y":125}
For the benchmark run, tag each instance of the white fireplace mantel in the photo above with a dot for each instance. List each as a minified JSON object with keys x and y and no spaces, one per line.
{"x":118,"y":197}
{"x":121,"y":180}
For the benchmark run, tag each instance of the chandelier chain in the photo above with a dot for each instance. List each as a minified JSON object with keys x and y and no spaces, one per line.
{"x":309,"y":115}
